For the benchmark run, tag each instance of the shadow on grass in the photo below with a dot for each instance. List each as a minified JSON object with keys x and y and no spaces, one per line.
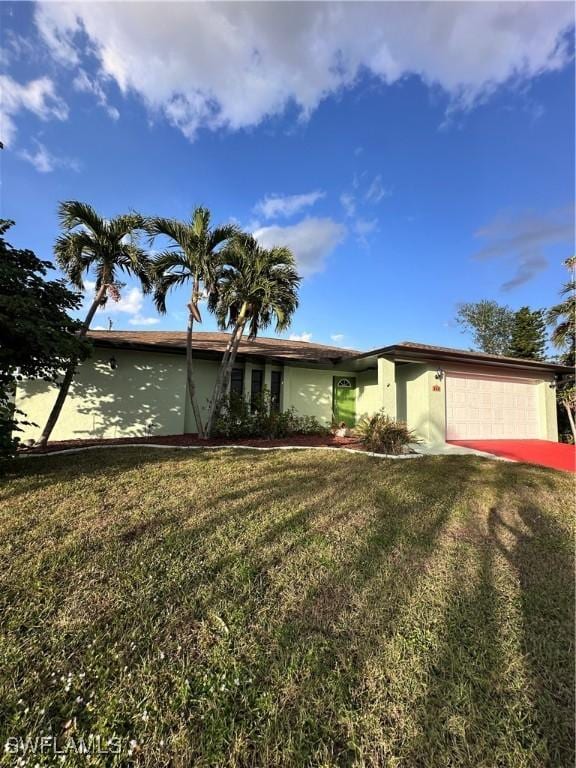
{"x":310,"y":567}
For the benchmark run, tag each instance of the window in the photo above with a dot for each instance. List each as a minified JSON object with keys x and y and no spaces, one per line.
{"x":237,"y":381}
{"x":256,"y":385}
{"x":275,"y":384}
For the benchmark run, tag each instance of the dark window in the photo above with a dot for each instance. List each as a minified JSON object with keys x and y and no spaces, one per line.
{"x":237,"y":381}
{"x":275,"y":384}
{"x":256,"y":386}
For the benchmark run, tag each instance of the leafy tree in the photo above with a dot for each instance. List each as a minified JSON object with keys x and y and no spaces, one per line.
{"x":37,"y":337}
{"x":528,"y":337}
{"x":253,"y":287}
{"x":190,"y":258}
{"x":489,"y":323}
{"x":562,"y":318}
{"x":105,"y":246}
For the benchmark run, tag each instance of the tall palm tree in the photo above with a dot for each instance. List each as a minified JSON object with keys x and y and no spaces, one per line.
{"x":563,"y":316}
{"x":253,"y":286}
{"x":106,"y":247}
{"x":191,"y":258}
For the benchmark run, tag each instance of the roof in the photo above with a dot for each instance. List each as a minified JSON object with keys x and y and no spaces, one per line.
{"x":213,"y":344}
{"x":411,"y":350}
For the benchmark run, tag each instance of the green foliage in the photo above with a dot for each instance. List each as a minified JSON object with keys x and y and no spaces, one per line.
{"x":528,"y":337}
{"x":37,"y":337}
{"x":562,"y":317}
{"x":489,"y":323}
{"x":239,"y":418}
{"x":255,"y":285}
{"x":382,"y":434}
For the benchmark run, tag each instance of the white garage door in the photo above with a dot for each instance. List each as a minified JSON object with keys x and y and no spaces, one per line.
{"x":482,"y":408}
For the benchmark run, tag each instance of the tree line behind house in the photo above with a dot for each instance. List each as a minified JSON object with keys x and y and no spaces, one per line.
{"x":499,"y":330}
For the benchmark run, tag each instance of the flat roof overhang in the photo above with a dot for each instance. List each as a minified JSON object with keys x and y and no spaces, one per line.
{"x":409,"y":354}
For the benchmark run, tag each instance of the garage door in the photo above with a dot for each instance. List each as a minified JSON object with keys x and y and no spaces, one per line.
{"x":478,"y":407}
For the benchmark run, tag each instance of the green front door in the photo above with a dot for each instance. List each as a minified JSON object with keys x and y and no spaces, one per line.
{"x":345,"y":400}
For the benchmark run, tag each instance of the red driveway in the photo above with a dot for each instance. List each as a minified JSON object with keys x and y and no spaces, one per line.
{"x":544,"y":452}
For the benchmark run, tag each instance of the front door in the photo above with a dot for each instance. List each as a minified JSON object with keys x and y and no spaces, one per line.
{"x":345,"y":400}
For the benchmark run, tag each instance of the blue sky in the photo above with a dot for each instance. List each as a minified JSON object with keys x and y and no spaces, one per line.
{"x":413,"y":156}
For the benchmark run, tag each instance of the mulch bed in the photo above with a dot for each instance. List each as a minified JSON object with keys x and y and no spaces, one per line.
{"x":307,"y":441}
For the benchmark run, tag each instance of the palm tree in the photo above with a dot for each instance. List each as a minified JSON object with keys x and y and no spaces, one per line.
{"x":562,"y":317}
{"x":191,"y":257}
{"x":253,"y":286}
{"x":106,"y":246}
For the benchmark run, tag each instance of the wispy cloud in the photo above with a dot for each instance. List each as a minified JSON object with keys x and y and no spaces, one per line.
{"x":86,"y":84}
{"x":37,"y":96}
{"x":45,"y":162}
{"x":275,"y":206}
{"x":523,"y":239}
{"x":376,"y":191}
{"x":337,"y":337}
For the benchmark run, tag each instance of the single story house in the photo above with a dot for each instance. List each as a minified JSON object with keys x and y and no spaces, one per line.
{"x":135,"y":384}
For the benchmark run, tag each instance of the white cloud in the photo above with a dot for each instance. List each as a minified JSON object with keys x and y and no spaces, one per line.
{"x":36,"y":96}
{"x":300,"y":336}
{"x":86,"y":84}
{"x":310,"y":240}
{"x":45,"y":162}
{"x":337,"y":337}
{"x":250,"y":61}
{"x":131,"y":303}
{"x":273,"y":206}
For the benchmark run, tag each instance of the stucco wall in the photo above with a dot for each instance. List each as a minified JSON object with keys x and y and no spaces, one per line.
{"x":309,"y":391}
{"x":368,"y":396}
{"x":425,"y":409}
{"x":205,"y":372}
{"x":145,"y":389}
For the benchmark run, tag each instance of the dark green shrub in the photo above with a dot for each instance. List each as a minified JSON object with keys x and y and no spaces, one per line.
{"x":240,"y":418}
{"x":382,"y":434}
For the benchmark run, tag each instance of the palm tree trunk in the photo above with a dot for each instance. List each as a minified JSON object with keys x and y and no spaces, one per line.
{"x":191,"y":384}
{"x":70,"y":371}
{"x":226,"y":366}
{"x":220,"y":380}
{"x":570,"y":418}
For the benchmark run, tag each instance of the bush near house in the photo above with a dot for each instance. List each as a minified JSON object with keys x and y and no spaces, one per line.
{"x":239,"y":418}
{"x":382,"y":434}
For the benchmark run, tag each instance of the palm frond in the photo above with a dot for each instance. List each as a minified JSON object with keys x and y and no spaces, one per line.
{"x":73,"y":213}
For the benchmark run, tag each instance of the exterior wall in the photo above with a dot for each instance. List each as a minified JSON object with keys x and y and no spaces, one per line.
{"x":548,"y":413}
{"x":368,"y":398}
{"x":205,"y":372}
{"x":309,"y":392}
{"x":417,"y":404}
{"x":145,"y":394}
{"x":425,"y":409}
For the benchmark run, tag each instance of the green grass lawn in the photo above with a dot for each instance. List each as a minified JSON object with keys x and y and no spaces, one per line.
{"x":297,"y":608}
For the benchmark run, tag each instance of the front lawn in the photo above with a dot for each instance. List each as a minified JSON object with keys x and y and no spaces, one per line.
{"x":297,"y":608}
